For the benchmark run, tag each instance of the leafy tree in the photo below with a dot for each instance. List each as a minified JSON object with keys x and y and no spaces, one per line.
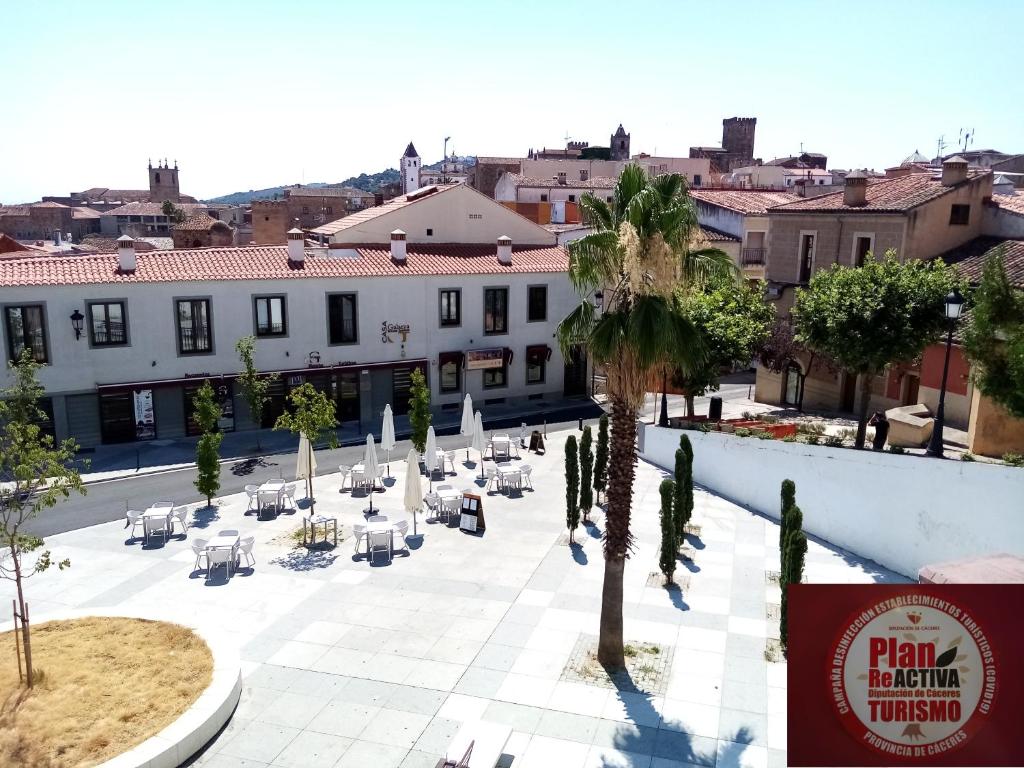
{"x":781,"y":349}
{"x":683,"y":504}
{"x":173,"y":212}
{"x":866,"y":318}
{"x":255,"y":386}
{"x":586,"y":473}
{"x":994,"y":337}
{"x":601,"y":459}
{"x":733,"y":321}
{"x":206,"y":413}
{"x":419,"y":410}
{"x":637,"y":255}
{"x":35,"y":474}
{"x":669,"y":535}
{"x":572,"y":487}
{"x":312,"y":415}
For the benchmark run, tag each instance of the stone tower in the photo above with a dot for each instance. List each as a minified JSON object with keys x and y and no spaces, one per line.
{"x":738,"y":137}
{"x":163,"y":182}
{"x":409,"y":167}
{"x":619,"y":144}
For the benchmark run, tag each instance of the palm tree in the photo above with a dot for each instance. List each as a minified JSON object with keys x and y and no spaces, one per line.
{"x":642,"y":249}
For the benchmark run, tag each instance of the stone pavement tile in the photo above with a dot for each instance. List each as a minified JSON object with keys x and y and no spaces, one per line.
{"x":684,"y":748}
{"x":564,"y":725}
{"x":744,"y":727}
{"x":454,"y":650}
{"x":721,"y":606}
{"x":323,"y":632}
{"x":437,"y":736}
{"x":389,"y":668}
{"x":226,"y":761}
{"x":470,"y":629}
{"x":737,"y":755}
{"x":636,"y":708}
{"x":695,"y":719}
{"x":545,"y":752}
{"x":607,"y":757}
{"x":702,"y":663}
{"x":744,"y":645}
{"x":748,"y":697}
{"x":777,"y":674}
{"x":578,"y":698}
{"x":511,"y":633}
{"x":463,"y":708}
{"x":746,"y":668}
{"x":292,"y":709}
{"x":704,"y":620}
{"x":523,"y":613}
{"x":417,"y":759}
{"x":421,"y":701}
{"x":343,"y":718}
{"x":661,"y":762}
{"x":371,"y":693}
{"x":439,"y":675}
{"x":310,"y":683}
{"x":534,"y":597}
{"x":480,"y":681}
{"x":778,"y":702}
{"x":343,"y":661}
{"x":313,"y":750}
{"x":260,"y":648}
{"x":540,"y":663}
{"x":626,"y":737}
{"x":518,"y":717}
{"x":253,"y":701}
{"x":398,"y":729}
{"x":270,"y":676}
{"x":744,"y":626}
{"x":260,"y":741}
{"x":364,"y":753}
{"x":747,"y":608}
{"x":697,"y":639}
{"x":297,"y":654}
{"x":526,"y":689}
{"x":777,"y":758}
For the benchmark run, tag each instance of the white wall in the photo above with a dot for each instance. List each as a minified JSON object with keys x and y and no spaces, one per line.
{"x":717,"y":217}
{"x":525,"y":194}
{"x":1000,"y":223}
{"x":903,"y":512}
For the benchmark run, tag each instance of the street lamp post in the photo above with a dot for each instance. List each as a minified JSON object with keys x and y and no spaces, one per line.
{"x":954,"y":307}
{"x":663,"y":419}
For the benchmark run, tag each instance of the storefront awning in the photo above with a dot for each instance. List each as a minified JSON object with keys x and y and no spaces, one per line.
{"x":507,"y":355}
{"x":537,"y":354}
{"x":444,"y":358}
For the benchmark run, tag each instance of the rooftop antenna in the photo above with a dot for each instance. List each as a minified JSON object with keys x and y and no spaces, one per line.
{"x":968,"y":137}
{"x":444,"y":161}
{"x":941,"y":146}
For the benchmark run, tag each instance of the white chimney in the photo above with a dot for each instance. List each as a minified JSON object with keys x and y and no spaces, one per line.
{"x":504,"y":249}
{"x":296,"y":246}
{"x":126,"y":261}
{"x":398,"y":246}
{"x":954,"y":170}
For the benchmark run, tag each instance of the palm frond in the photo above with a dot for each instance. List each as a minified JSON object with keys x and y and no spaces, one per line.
{"x":596,"y":212}
{"x":650,"y":330}
{"x":594,"y":261}
{"x":632,"y":181}
{"x":703,"y":266}
{"x":608,"y":336}
{"x":576,"y":327}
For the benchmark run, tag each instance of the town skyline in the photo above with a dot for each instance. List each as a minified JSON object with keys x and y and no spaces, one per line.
{"x":342,"y":101}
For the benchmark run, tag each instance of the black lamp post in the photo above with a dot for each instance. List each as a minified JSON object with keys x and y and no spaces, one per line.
{"x":954,"y":307}
{"x":76,"y":322}
{"x":663,"y":419}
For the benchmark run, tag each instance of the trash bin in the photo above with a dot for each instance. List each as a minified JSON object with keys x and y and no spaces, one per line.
{"x":715,"y":409}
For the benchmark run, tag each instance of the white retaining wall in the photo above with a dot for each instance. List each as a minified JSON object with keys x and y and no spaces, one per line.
{"x":901,"y":511}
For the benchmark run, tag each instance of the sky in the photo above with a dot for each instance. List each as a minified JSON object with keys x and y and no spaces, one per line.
{"x":246,"y":95}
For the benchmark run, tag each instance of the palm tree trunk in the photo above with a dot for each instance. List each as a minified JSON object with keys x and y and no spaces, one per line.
{"x":617,"y":536}
{"x":867,"y":379}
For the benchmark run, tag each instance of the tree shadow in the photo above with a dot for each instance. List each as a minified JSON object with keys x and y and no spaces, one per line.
{"x":675,"y":594}
{"x":203,"y":517}
{"x":307,"y":559}
{"x":248,"y":466}
{"x":578,"y":554}
{"x":731,"y":749}
{"x":592,"y":530}
{"x":694,"y":541}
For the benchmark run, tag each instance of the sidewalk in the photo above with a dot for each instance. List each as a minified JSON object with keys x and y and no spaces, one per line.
{"x":112,"y":462}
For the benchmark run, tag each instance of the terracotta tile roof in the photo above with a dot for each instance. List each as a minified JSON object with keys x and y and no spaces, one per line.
{"x":326,"y":192}
{"x":15,"y":210}
{"x":9,"y":245}
{"x":746,"y":201}
{"x":116,"y":195}
{"x":271,"y":263}
{"x":969,"y":259}
{"x":499,"y":160}
{"x":85,"y":213}
{"x":200,"y":222}
{"x":713,"y":235}
{"x":596,"y":182}
{"x":359,"y":217}
{"x":1012,"y":203}
{"x":150,"y":209}
{"x":99,"y":244}
{"x":883,"y":195}
{"x":47,"y":204}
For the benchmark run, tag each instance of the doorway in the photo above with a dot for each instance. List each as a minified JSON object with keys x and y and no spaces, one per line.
{"x":575,"y":372}
{"x":348,"y":396}
{"x":791,"y":385}
{"x":401,"y":390}
{"x":806,"y":257}
{"x":849,"y":394}
{"x":117,"y":418}
{"x":913,"y":390}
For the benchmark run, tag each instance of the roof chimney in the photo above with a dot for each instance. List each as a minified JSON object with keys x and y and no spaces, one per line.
{"x":954,"y":170}
{"x":126,"y":261}
{"x":398,"y":246}
{"x":855,"y":191}
{"x":505,"y":250}
{"x":296,"y":246}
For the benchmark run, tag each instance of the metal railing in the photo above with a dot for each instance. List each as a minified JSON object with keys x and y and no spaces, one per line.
{"x":753,"y":256}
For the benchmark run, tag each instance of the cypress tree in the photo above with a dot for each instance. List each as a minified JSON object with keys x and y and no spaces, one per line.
{"x":206,"y":413}
{"x":667,"y":560}
{"x":678,"y":500}
{"x":796,"y":546}
{"x":788,"y":496}
{"x":572,"y":487}
{"x":586,"y":473}
{"x":687,"y":449}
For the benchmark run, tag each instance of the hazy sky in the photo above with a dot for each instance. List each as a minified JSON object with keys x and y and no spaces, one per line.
{"x":254,"y":94}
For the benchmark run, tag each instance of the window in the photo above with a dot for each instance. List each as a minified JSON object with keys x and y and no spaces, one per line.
{"x":608,"y":199}
{"x":862,"y":245}
{"x":536,"y":303}
{"x":195,"y":335}
{"x":495,"y":310}
{"x":496,"y":377}
{"x":270,"y":316}
{"x":584,"y":175}
{"x":107,"y":326}
{"x":536,"y":362}
{"x":342,"y":318}
{"x":806,"y":255}
{"x":430,"y":232}
{"x":543,"y":197}
{"x":696,"y":179}
{"x":451,"y":307}
{"x":329,"y":210}
{"x":305,"y":209}
{"x":450,"y":372}
{"x":26,"y":330}
{"x":960,"y":215}
{"x":572,"y":198}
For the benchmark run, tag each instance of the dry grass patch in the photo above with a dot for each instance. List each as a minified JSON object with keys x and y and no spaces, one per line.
{"x":104,"y":685}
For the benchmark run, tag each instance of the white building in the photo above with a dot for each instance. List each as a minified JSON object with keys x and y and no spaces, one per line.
{"x":696,"y":170}
{"x":409,"y":166}
{"x":450,"y":172}
{"x":444,"y":280}
{"x":514,"y":187}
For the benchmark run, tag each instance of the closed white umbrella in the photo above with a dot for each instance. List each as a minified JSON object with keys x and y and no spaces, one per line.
{"x":467,"y":421}
{"x":305,"y":466}
{"x":413,"y":487}
{"x":387,"y":434}
{"x":479,"y":440}
{"x":430,"y":457}
{"x":370,"y":469}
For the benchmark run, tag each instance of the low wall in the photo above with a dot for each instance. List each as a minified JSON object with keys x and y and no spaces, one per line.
{"x":901,"y":511}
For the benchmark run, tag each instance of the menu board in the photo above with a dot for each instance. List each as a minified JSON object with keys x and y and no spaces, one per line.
{"x":472,"y":518}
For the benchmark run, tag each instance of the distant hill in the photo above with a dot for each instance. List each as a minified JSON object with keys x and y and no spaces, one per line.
{"x":369,"y":182}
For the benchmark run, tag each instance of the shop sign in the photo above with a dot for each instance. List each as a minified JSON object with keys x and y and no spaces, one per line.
{"x":483,"y":359}
{"x":145,"y":420}
{"x":388,"y":331}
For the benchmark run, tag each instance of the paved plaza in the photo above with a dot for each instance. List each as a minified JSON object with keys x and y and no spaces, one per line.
{"x":348,"y":663}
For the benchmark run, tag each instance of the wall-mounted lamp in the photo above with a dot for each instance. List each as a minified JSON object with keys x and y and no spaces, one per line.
{"x":77,"y":319}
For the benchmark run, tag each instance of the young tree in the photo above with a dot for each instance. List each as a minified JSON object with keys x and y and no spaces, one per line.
{"x":254,"y":386}
{"x":868,"y":317}
{"x":586,"y":473}
{"x":733,"y":321}
{"x":206,"y":413}
{"x":683,"y":507}
{"x":642,"y":247}
{"x":601,"y":458}
{"x":419,"y":410}
{"x":669,"y":544}
{"x":572,"y":487}
{"x":312,"y":415}
{"x":994,"y":337}
{"x":35,"y":474}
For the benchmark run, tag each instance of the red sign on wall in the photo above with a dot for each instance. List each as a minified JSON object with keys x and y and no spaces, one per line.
{"x":905,"y":675}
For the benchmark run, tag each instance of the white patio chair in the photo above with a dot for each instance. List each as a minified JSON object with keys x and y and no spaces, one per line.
{"x":500,"y":450}
{"x":492,"y":477}
{"x":180,"y":515}
{"x":346,"y":474}
{"x":154,"y":525}
{"x":267,"y":498}
{"x":514,"y":481}
{"x":523,"y":431}
{"x":526,"y":470}
{"x":289,"y":495}
{"x":199,"y":550}
{"x":245,"y":548}
{"x":133,"y":518}
{"x":452,"y":507}
{"x":401,"y":528}
{"x":432,"y":502}
{"x":449,"y":456}
{"x":379,"y":540}
{"x":358,"y":533}
{"x":251,"y":491}
{"x":514,"y":448}
{"x":358,"y":479}
{"x":220,"y":556}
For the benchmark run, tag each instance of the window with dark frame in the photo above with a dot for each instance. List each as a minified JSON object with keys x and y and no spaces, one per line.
{"x":863,"y":248}
{"x":495,"y":311}
{"x":450,"y":375}
{"x":537,"y":303}
{"x":26,"y":330}
{"x":543,"y":197}
{"x":107,"y":325}
{"x":959,"y":215}
{"x":271,"y":319}
{"x":536,"y":363}
{"x":342,"y":318}
{"x":451,"y":307}
{"x":195,"y":333}
{"x":496,"y":377}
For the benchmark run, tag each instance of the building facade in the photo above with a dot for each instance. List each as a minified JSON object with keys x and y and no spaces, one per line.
{"x":409,"y":166}
{"x":737,"y":145}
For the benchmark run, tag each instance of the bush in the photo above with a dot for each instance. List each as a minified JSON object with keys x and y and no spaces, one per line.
{"x":572,"y":487}
{"x":810,"y":428}
{"x":1014,"y":459}
{"x":789,"y":439}
{"x":762,"y":435}
{"x":748,"y":416}
{"x":669,"y":546}
{"x":968,"y":456}
{"x":813,"y":439}
{"x":742,"y":432}
{"x":897,"y":449}
{"x":769,"y":419}
{"x":833,"y":441}
{"x":848,"y":434}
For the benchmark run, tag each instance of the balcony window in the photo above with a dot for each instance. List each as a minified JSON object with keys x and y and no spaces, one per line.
{"x":26,"y":329}
{"x":495,"y":310}
{"x":451,"y":307}
{"x":342,"y":318}
{"x":195,"y":332}
{"x":537,"y":304}
{"x":107,"y":324}
{"x":270,"y":316}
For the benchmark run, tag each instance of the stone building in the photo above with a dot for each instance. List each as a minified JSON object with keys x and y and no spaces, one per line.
{"x":484,"y":175}
{"x":163,"y":185}
{"x":36,"y":221}
{"x":202,"y":231}
{"x":737,"y":145}
{"x":271,"y":221}
{"x":619,"y":144}
{"x":304,"y":207}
